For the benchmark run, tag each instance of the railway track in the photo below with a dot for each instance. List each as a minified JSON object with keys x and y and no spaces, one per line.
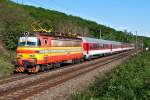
{"x":19,"y":76}
{"x":11,"y":78}
{"x":23,"y":88}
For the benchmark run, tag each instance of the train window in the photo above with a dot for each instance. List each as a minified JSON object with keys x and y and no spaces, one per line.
{"x":39,"y":42}
{"x":76,"y":43}
{"x":114,"y":46}
{"x":100,"y":46}
{"x":91,"y":47}
{"x":27,"y":41}
{"x":97,"y":46}
{"x":106,"y":46}
{"x":65,"y":43}
{"x":46,"y":42}
{"x":55,"y":43}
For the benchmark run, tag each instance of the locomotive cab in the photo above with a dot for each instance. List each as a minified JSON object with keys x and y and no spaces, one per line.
{"x":29,"y":41}
{"x":26,"y":52}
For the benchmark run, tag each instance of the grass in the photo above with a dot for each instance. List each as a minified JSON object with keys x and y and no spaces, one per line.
{"x":6,"y":68}
{"x":130,"y":81}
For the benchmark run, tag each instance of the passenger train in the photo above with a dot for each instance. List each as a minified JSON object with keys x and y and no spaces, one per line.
{"x":42,"y":51}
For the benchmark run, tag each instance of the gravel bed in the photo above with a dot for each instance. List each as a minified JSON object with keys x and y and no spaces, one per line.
{"x":33,"y":79}
{"x":62,"y":91}
{"x":36,"y":78}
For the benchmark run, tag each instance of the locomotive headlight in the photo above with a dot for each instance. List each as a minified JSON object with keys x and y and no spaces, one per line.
{"x":20,"y":55}
{"x":32,"y":56}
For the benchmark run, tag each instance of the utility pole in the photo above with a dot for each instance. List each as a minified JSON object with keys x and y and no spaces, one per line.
{"x":100,"y":34}
{"x":136,"y":40}
{"x":82,"y":33}
{"x":142,"y":42}
{"x":126,"y":35}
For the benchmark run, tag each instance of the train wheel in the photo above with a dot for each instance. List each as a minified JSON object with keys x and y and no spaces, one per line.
{"x":49,"y":66}
{"x":58,"y":64}
{"x":73,"y":61}
{"x":37,"y":68}
{"x":82,"y":60}
{"x":46,"y":67}
{"x":89,"y":58}
{"x":42,"y":68}
{"x":78,"y":61}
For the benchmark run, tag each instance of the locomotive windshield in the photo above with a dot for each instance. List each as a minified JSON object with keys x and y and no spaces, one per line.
{"x":28,"y":41}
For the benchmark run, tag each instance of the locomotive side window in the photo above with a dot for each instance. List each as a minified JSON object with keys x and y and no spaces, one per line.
{"x":46,"y":42}
{"x":76,"y":43}
{"x":39,"y":42}
{"x":106,"y":46}
{"x":65,"y":43}
{"x":55,"y":43}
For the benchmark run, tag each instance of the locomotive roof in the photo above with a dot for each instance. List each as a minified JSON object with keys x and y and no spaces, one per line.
{"x":53,"y":34}
{"x":93,"y":40}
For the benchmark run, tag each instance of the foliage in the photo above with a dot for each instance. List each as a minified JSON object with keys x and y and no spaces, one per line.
{"x":16,"y":18}
{"x":5,"y":63}
{"x":129,"y":82}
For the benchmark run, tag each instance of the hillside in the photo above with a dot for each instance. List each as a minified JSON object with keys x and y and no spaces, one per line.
{"x":16,"y":18}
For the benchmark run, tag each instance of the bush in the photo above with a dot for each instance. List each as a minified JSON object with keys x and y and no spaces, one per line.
{"x":5,"y":63}
{"x":129,"y":82}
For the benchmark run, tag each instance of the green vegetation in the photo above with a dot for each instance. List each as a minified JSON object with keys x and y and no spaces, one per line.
{"x":16,"y":18}
{"x":130,"y":81}
{"x":6,"y":68}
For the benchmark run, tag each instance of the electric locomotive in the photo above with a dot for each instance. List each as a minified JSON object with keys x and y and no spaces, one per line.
{"x":42,"y":51}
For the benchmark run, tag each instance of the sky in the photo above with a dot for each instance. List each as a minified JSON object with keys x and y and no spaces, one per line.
{"x":132,"y":15}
